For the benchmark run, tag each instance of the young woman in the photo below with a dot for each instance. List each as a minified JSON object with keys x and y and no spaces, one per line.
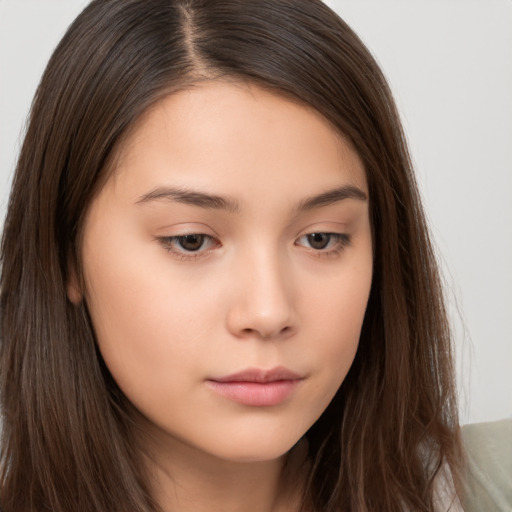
{"x":218,"y":290}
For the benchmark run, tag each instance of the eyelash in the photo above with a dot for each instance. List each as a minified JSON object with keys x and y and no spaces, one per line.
{"x":169,"y":243}
{"x":339,"y":241}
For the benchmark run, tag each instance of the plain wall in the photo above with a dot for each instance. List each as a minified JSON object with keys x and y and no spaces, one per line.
{"x":449,"y":63}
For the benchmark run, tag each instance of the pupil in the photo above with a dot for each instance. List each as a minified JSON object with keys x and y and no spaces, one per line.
{"x":191,"y":242}
{"x":319,"y":240}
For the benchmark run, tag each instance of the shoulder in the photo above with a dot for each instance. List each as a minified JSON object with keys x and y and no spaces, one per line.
{"x":489,"y":457}
{"x":445,"y":496}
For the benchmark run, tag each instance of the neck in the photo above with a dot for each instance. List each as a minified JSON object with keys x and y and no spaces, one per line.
{"x":187,"y":480}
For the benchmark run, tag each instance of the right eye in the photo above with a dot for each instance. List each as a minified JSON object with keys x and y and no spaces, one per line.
{"x":191,"y":245}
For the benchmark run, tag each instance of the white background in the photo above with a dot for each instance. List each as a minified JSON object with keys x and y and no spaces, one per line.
{"x":449,"y":63}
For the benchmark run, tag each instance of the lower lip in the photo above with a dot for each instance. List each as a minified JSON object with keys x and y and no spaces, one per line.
{"x":256,"y":394}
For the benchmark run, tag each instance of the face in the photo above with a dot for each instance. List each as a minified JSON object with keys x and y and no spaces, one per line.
{"x":227,"y":264}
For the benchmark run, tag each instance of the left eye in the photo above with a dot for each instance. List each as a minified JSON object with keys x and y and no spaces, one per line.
{"x":191,"y":243}
{"x":322,"y":241}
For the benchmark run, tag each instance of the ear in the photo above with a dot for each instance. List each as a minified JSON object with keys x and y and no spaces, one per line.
{"x":73,"y":288}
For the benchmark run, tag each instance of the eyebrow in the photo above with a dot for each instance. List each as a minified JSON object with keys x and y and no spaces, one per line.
{"x":211,"y":201}
{"x":191,"y":197}
{"x":332,"y":196}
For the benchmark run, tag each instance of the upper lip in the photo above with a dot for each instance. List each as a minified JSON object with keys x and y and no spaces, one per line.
{"x":259,"y":375}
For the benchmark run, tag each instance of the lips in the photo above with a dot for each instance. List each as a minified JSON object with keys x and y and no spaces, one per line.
{"x":256,"y":387}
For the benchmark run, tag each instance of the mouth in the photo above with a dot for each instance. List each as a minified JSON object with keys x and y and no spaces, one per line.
{"x":256,"y":387}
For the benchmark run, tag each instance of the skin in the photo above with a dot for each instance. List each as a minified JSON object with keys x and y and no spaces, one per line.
{"x":255,"y":294}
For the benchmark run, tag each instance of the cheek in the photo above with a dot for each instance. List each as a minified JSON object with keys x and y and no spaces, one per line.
{"x":337,"y":306}
{"x":335,"y":314}
{"x":146,"y":325}
{"x":338,"y":335}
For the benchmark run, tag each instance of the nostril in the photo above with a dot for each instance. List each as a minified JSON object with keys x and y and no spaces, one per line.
{"x":278,"y":333}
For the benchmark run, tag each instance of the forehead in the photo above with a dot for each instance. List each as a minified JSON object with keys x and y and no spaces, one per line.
{"x":230,"y":138}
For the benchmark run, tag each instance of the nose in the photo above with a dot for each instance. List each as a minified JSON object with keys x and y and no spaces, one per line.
{"x":263,"y":299}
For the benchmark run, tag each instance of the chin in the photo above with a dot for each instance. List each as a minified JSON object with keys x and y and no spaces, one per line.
{"x":258,"y":448}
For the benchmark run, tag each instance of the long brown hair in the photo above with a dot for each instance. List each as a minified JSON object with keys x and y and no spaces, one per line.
{"x":67,"y":436}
